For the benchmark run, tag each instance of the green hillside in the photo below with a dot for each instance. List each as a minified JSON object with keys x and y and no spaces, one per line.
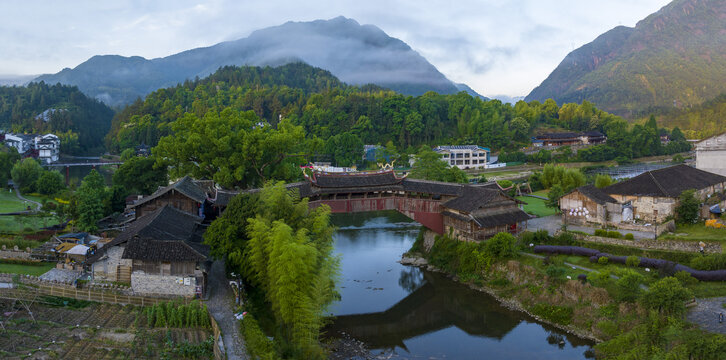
{"x":79,"y":121}
{"x":675,"y":57}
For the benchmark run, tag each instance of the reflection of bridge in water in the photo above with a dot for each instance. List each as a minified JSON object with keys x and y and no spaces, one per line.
{"x":438,"y":304}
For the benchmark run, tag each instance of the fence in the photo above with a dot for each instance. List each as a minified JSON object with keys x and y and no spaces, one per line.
{"x":218,"y":354}
{"x":110,"y":297}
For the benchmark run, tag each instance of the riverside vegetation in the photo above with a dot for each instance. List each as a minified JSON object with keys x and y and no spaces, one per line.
{"x":628,"y":321}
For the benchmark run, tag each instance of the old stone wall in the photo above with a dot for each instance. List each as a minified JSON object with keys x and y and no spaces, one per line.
{"x":12,"y":254}
{"x":648,"y":208}
{"x":148,"y":284}
{"x":685,"y":246}
{"x":711,"y":159}
{"x":107,"y":268}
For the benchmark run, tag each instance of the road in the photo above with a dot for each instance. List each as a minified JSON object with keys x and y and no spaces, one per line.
{"x":220,"y":304}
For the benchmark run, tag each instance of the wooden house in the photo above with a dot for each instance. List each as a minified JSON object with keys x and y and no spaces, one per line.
{"x":480,"y":213}
{"x":161,"y":251}
{"x":588,"y":204}
{"x":196,"y":197}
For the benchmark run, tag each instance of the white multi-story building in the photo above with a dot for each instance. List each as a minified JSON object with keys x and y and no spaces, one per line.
{"x":464,"y":156}
{"x":44,"y":147}
{"x":48,"y":147}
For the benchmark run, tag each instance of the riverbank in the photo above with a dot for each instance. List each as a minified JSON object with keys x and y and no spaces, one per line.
{"x":511,"y":303}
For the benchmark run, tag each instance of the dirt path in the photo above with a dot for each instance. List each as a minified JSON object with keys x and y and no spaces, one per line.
{"x":220,"y":304}
{"x":37,"y":204}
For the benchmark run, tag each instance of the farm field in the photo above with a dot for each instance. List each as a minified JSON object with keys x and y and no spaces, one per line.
{"x":18,"y":223}
{"x":95,"y":331}
{"x":35,"y":270}
{"x":9,"y":202}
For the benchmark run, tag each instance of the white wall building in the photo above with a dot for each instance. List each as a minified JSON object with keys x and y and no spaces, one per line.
{"x":711,"y":154}
{"x":48,"y":147}
{"x":464,"y":156}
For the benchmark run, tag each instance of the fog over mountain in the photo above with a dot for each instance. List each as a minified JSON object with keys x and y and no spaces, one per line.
{"x":356,"y":54}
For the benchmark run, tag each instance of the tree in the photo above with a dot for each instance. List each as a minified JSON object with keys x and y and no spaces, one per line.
{"x":289,"y":256}
{"x":50,"y":182}
{"x":91,"y":196}
{"x":667,"y":296}
{"x":554,"y":196}
{"x":140,"y":174}
{"x":603,"y":180}
{"x":429,"y":166}
{"x":8,"y":158}
{"x":501,"y":246}
{"x":233,"y":148}
{"x":628,"y":286}
{"x":25,"y":173}
{"x":687,"y":208}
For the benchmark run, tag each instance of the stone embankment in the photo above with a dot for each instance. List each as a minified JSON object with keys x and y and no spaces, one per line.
{"x":668,"y":245}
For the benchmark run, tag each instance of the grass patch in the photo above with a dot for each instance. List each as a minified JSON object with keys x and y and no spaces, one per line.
{"x":544,"y":192}
{"x":9,"y":202}
{"x":536,"y":206}
{"x":20,"y":223}
{"x":557,"y":314}
{"x":696,"y":232}
{"x":65,"y":302}
{"x":35,"y":270}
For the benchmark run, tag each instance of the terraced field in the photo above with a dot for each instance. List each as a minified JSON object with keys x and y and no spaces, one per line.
{"x":98,"y":331}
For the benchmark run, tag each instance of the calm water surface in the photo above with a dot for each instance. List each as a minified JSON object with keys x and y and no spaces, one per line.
{"x":410,"y":313}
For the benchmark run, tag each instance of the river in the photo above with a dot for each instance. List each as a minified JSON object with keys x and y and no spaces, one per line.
{"x":404,"y":312}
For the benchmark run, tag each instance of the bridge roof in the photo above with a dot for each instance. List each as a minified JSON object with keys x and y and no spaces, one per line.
{"x":472,"y":198}
{"x":432,"y":187}
{"x":354,"y":179}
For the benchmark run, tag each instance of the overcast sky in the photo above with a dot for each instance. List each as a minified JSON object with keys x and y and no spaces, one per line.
{"x":496,"y":47}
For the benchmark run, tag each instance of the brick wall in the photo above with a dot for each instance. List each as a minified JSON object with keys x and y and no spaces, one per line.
{"x":147,"y":284}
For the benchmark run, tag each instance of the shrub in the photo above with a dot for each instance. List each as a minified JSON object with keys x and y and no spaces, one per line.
{"x":258,"y":345}
{"x":501,"y":246}
{"x":601,"y":232}
{"x":629,"y":236}
{"x":628,"y":287}
{"x":557,"y":314}
{"x":685,"y":278}
{"x":608,"y":327}
{"x":614,"y":234}
{"x":709,"y":262}
{"x":499,"y":282}
{"x":667,"y":296}
{"x":603,"y":260}
{"x":555,"y":272}
{"x":632,"y":261}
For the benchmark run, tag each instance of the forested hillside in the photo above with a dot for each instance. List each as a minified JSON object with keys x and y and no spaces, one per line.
{"x":326,"y":108}
{"x":700,"y":121}
{"x":79,"y":121}
{"x":675,"y":57}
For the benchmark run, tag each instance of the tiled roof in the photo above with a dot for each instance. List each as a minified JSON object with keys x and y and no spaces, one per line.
{"x":511,"y":216}
{"x":431,"y":187}
{"x":186,"y":186}
{"x":668,"y":182}
{"x":460,"y":147}
{"x":596,"y":194}
{"x":563,"y":135}
{"x":472,"y":198}
{"x":160,"y":250}
{"x":354,"y":180}
{"x":166,"y":223}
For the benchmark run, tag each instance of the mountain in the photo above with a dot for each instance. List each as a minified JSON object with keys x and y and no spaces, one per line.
{"x":508,"y":99}
{"x":16,"y":80}
{"x":674,"y":57}
{"x":470,"y":91}
{"x":356,"y":54}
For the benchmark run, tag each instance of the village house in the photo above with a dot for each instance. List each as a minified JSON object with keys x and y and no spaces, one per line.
{"x":710,"y":154}
{"x":650,"y":198}
{"x":46,"y":147}
{"x":195,"y":197}
{"x":464,"y":156}
{"x":159,"y":253}
{"x":569,"y":139}
{"x":480,"y":213}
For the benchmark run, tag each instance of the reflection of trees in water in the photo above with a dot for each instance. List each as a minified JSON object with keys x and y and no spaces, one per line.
{"x":411,"y":279}
{"x":556,"y":339}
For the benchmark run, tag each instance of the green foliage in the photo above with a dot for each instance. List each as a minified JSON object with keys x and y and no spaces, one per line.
{"x":231,"y":148}
{"x":685,"y":278}
{"x":678,"y":159}
{"x":289,"y":256}
{"x":709,"y":262}
{"x":138,"y":174}
{"x":667,"y":296}
{"x":79,"y":121}
{"x":535,"y":238}
{"x":632,"y":261}
{"x":429,"y":166}
{"x":554,"y":272}
{"x":603,"y":180}
{"x":501,"y":246}
{"x":8,"y":157}
{"x":601,"y":232}
{"x":614,"y":234}
{"x":64,"y":302}
{"x":227,"y":235}
{"x":554,"y":196}
{"x":603,"y":260}
{"x":50,"y":182}
{"x":629,"y":236}
{"x":567,"y":179}
{"x":557,"y":314}
{"x":91,"y":196}
{"x":171,"y":314}
{"x":257,"y":344}
{"x":687,"y":208}
{"x":628,"y":286}
{"x":345,"y":149}
{"x":25,"y":173}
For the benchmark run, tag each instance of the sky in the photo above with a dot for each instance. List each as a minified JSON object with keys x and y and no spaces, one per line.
{"x":496,"y":47}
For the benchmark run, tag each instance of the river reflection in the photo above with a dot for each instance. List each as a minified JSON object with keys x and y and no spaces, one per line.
{"x":422,"y":314}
